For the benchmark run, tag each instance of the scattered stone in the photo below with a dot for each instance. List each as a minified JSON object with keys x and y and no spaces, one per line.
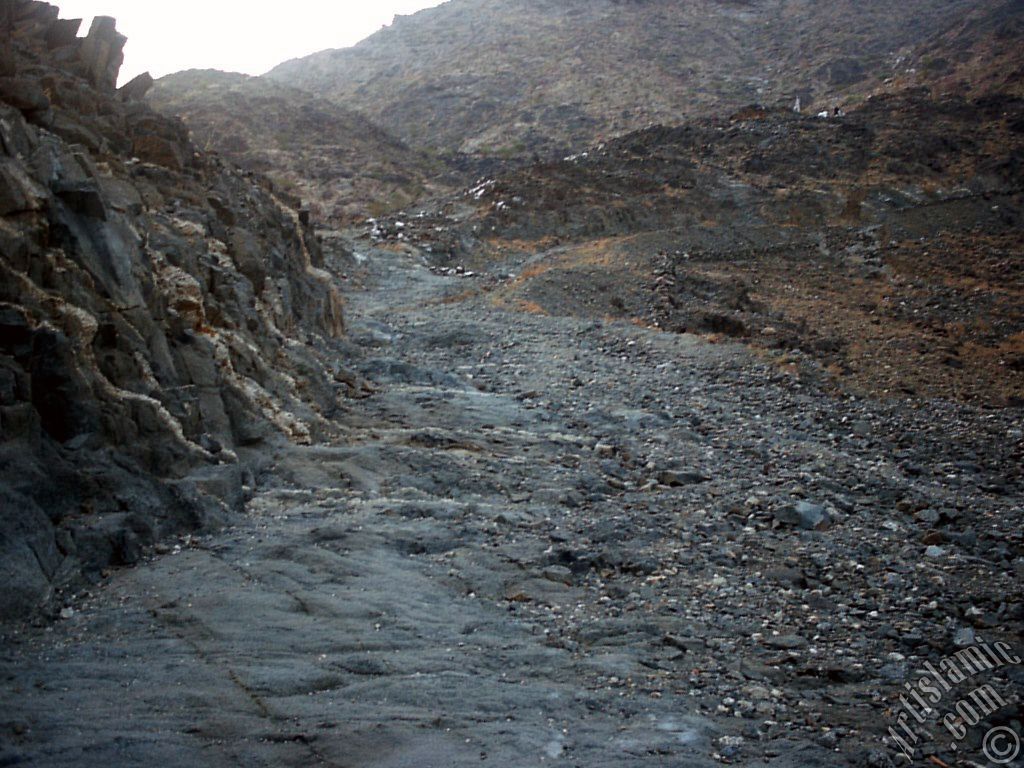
{"x":559,"y":574}
{"x":786,"y":642}
{"x":677,"y":478}
{"x":803,"y":515}
{"x":964,"y":637}
{"x":928,"y":516}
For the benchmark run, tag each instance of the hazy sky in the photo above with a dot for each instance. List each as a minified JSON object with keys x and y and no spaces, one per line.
{"x":165,"y":37}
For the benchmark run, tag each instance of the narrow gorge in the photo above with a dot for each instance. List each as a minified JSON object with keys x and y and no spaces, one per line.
{"x":577,"y":384}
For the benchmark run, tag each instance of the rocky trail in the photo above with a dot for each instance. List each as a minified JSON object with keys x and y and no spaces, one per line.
{"x":548,"y":541}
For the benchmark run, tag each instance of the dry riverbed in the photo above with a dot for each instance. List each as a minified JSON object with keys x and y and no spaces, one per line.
{"x":551,"y":541}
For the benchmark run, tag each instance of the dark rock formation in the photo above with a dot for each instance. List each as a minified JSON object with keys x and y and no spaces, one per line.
{"x":159,"y":312}
{"x":137,"y":88}
{"x":101,"y":52}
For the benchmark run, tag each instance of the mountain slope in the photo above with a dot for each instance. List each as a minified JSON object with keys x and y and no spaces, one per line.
{"x":339,"y":162}
{"x":981,"y":53}
{"x":536,"y":75}
{"x":884,"y":245}
{"x":160,"y":315}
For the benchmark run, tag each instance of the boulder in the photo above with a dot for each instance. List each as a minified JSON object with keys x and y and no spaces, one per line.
{"x":159,"y":151}
{"x":804,"y":515}
{"x":28,"y":555}
{"x":675,"y":478}
{"x":121,"y":195}
{"x":23,"y":94}
{"x":63,"y":32}
{"x":18,"y":191}
{"x":136,"y":88}
{"x":248,"y":257}
{"x":84,"y":199}
{"x":102,"y":52}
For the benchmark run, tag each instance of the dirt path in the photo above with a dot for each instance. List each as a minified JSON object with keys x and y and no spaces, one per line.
{"x":543,"y":541}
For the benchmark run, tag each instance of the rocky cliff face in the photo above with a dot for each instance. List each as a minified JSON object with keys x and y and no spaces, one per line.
{"x":512,"y":78}
{"x":342,"y":165}
{"x":160,"y":312}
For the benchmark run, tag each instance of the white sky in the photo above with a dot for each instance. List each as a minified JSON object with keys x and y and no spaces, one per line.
{"x":233,"y":35}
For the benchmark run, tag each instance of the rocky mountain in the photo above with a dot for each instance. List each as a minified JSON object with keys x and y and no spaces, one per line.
{"x":165,"y":315}
{"x":512,"y":78}
{"x":978,"y":54}
{"x":884,"y":244}
{"x":338,"y":162}
{"x":160,"y":315}
{"x":696,"y":445}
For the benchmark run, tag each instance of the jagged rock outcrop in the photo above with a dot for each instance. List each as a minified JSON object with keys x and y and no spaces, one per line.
{"x":160,"y":314}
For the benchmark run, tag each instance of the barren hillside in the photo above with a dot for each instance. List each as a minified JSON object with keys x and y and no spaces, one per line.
{"x":512,"y":78}
{"x":333,"y":158}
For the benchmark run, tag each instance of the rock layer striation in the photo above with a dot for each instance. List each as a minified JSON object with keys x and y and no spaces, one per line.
{"x":160,"y":311}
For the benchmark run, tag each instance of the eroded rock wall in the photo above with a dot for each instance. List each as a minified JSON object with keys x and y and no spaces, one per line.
{"x":161,"y":314}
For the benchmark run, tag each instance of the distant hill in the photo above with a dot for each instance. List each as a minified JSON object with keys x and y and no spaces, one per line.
{"x":339,"y":162}
{"x":515,"y":77}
